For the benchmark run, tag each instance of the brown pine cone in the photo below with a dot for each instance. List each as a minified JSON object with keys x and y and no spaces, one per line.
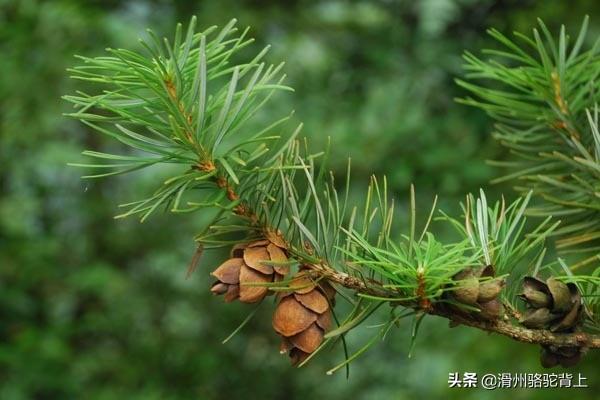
{"x":236,"y":276}
{"x":556,"y":306}
{"x":552,"y":356}
{"x":302,"y":316}
{"x":552,"y":304}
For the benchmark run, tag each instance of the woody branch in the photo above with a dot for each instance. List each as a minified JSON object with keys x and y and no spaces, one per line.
{"x":499,"y":326}
{"x":505,"y":328}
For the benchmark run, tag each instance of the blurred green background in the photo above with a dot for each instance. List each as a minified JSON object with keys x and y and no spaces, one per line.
{"x":97,"y":308}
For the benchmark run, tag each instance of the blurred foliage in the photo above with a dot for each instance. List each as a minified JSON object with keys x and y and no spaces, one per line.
{"x":96,"y":308}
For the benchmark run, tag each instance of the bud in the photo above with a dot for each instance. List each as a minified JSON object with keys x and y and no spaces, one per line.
{"x":478,"y":287}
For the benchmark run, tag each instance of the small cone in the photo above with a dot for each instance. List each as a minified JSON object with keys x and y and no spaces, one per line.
{"x":303,"y":315}
{"x":240,"y":276}
{"x":552,"y":356}
{"x":552,"y":304}
{"x":556,"y":306}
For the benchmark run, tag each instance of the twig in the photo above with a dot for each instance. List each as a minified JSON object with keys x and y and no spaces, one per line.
{"x":521,"y":334}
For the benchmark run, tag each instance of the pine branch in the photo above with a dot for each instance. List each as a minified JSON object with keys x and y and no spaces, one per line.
{"x":543,"y":93}
{"x":294,"y":233}
{"x":373,"y":289}
{"x":501,"y":327}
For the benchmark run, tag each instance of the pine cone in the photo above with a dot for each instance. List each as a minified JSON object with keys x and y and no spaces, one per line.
{"x":552,"y":304}
{"x":551,"y":356}
{"x":556,"y":306}
{"x":482,"y":294}
{"x":302,"y":316}
{"x":247,"y":266}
